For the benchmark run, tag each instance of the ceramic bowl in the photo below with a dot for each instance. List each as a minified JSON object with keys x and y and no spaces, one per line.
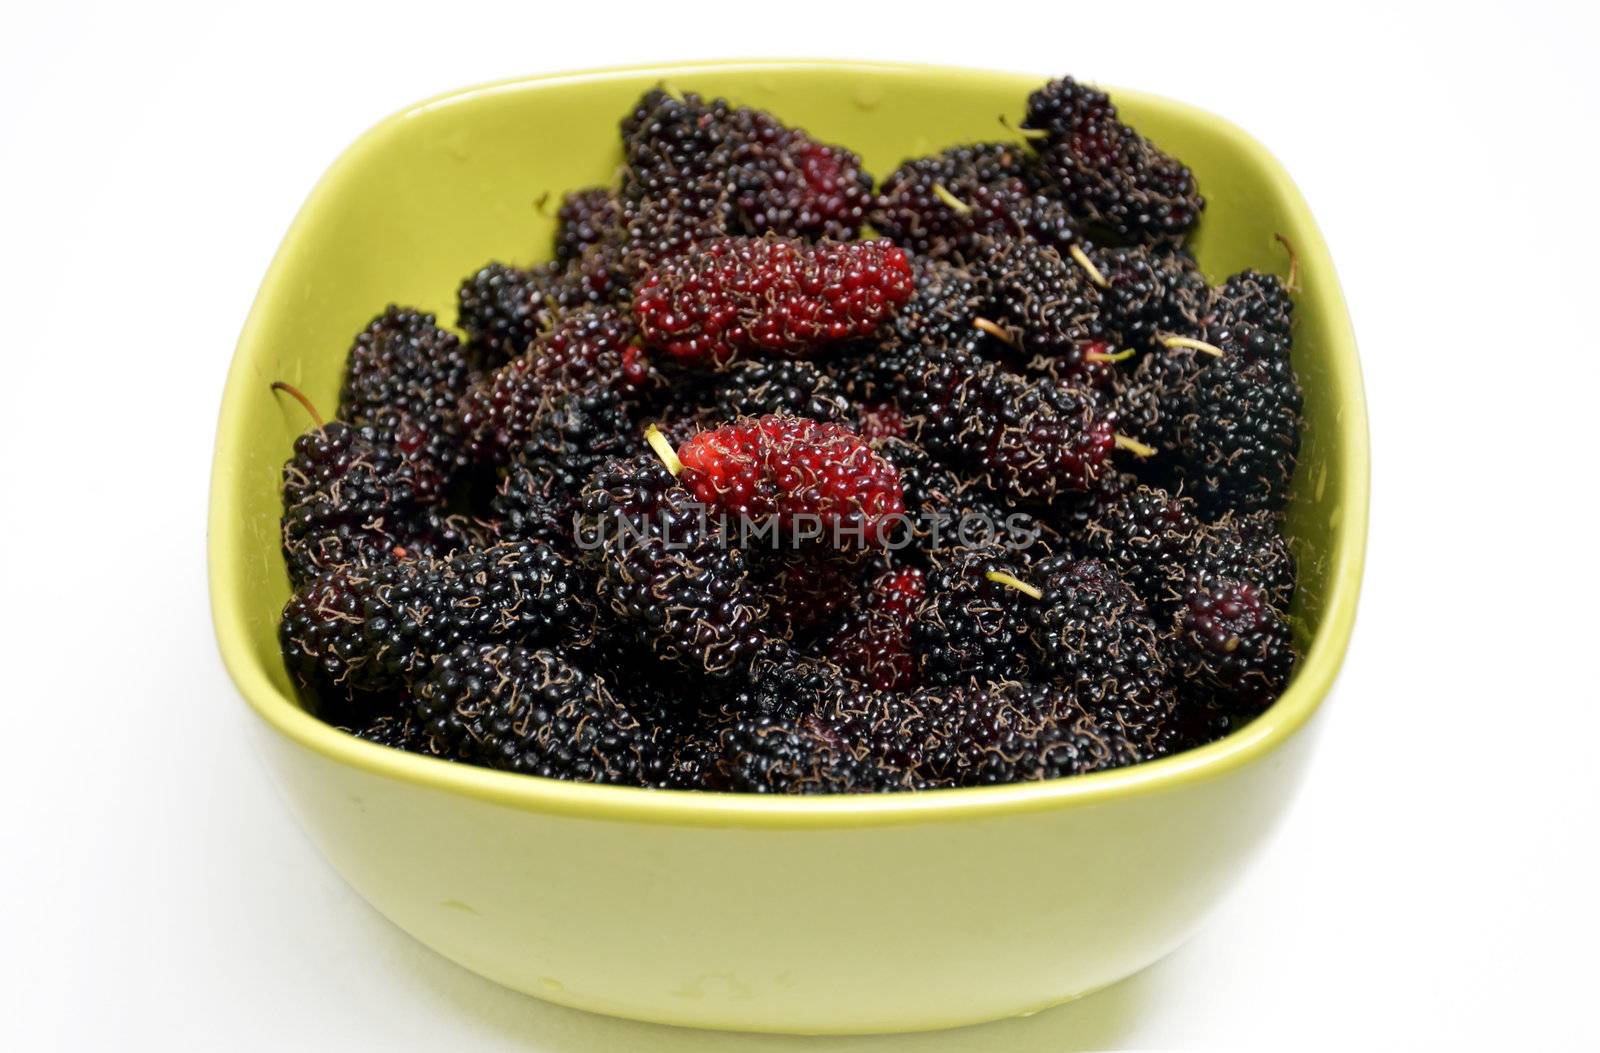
{"x":879,"y":913}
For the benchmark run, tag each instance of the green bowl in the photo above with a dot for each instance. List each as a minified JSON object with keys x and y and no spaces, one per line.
{"x":877,"y":913}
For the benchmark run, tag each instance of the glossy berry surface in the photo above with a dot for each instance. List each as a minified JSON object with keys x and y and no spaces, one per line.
{"x":1149,"y":538}
{"x":403,"y":381}
{"x":586,"y":217}
{"x":793,"y":388}
{"x":1239,"y":434}
{"x":874,"y":643}
{"x":818,"y":480}
{"x":881,"y":420}
{"x":666,"y":571}
{"x":968,"y":627}
{"x":348,"y":499}
{"x":809,"y":587}
{"x":945,"y":204}
{"x":586,"y":355}
{"x":532,"y":711}
{"x":1234,"y":643}
{"x":700,"y":167}
{"x":1106,"y":172}
{"x":1099,"y":639}
{"x":1030,"y":438}
{"x":738,"y":296}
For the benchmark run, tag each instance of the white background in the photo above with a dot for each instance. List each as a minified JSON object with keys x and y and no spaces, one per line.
{"x":1434,"y":885}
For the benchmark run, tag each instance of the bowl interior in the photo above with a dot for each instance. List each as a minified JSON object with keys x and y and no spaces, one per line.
{"x":428,"y":196}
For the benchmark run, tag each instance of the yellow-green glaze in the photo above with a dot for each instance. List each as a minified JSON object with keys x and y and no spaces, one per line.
{"x":880,"y":913}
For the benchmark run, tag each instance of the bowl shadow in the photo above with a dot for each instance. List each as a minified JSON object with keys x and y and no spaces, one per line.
{"x":508,"y":1018}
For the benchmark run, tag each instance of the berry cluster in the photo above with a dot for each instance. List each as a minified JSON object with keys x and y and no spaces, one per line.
{"x":1108,"y":174}
{"x":724,"y":497}
{"x":699,"y":168}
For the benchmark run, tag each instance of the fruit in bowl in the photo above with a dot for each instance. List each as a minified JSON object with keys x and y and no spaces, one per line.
{"x":427,"y":616}
{"x":1028,"y":341}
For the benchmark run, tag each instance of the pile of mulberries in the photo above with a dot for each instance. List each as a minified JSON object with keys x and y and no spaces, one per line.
{"x":726,"y":496}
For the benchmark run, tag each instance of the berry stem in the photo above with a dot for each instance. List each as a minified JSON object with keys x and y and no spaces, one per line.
{"x":984,"y":325}
{"x":1026,"y":133}
{"x":1292,"y":282}
{"x":1169,"y":341}
{"x":1000,"y":577}
{"x":670,"y":92}
{"x":951,"y":200}
{"x":1082,"y":259}
{"x":1133,"y":446}
{"x":658,"y":442}
{"x":299,"y":396}
{"x":1103,"y":356}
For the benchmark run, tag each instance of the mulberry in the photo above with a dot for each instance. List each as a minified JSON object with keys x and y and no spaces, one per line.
{"x":666,"y":569}
{"x":1030,"y":438}
{"x":778,"y":386}
{"x":532,"y":711}
{"x":737,"y":296}
{"x":371,"y":629}
{"x":1108,"y":174}
{"x":1098,"y":639}
{"x":969,"y":626}
{"x":1233,"y":645}
{"x":1149,"y":293}
{"x":586,"y":218}
{"x":587,"y":358}
{"x":945,"y":204}
{"x":817,"y":480}
{"x":1239,"y":434}
{"x":348,"y":499}
{"x":402,"y":365}
{"x":737,"y":170}
{"x":1150,"y":538}
{"x":875,"y":641}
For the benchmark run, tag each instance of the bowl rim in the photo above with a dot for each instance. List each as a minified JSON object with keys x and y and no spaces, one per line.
{"x":1311,"y":683}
